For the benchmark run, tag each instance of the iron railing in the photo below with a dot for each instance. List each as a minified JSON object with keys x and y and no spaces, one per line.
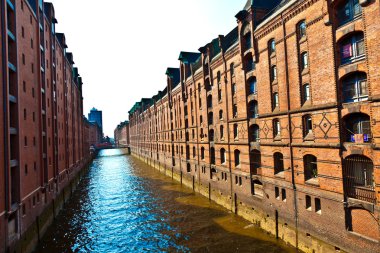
{"x":359,"y":178}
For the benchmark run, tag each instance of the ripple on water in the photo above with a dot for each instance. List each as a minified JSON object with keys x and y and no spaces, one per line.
{"x":122,"y":205}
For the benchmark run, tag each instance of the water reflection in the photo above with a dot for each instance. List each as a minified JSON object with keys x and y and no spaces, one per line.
{"x":122,"y":205}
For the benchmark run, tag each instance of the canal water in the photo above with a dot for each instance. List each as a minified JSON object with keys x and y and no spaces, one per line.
{"x":123,"y":205}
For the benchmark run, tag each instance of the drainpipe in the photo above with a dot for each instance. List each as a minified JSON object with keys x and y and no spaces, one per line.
{"x":196,"y":123}
{"x":5,"y":121}
{"x":290,"y":132}
{"x":227,"y":119}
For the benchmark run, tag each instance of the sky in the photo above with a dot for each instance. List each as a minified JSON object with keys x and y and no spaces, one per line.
{"x":122,"y":47}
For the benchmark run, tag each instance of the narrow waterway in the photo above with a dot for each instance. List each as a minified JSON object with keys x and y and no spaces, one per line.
{"x":123,"y":205}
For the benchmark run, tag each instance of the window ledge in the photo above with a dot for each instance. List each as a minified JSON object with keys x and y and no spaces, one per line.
{"x":305,"y":71}
{"x":309,"y":137}
{"x":302,"y":39}
{"x":355,"y":60}
{"x":280,"y":174}
{"x":275,"y":81}
{"x":312,"y":181}
{"x":277,"y":138}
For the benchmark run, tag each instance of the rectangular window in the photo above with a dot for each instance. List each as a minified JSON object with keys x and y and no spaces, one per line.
{"x":308,"y":203}
{"x":277,"y":192}
{"x":318,"y":208}
{"x":283,"y":194}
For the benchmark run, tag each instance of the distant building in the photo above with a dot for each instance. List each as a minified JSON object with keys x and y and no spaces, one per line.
{"x":95,"y":134}
{"x":122,"y":134}
{"x":97,"y":117}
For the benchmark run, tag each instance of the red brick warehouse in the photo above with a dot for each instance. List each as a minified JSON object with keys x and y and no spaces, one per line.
{"x":41,"y":122}
{"x":279,"y":122}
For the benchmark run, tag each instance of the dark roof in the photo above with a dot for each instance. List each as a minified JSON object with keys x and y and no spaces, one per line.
{"x":174,"y":74}
{"x":197,"y":64}
{"x":214,"y":48}
{"x":278,"y":6}
{"x":61,"y":39}
{"x":70,"y":58}
{"x":188,"y":57}
{"x":50,"y":13}
{"x":231,"y":38}
{"x":264,"y":4}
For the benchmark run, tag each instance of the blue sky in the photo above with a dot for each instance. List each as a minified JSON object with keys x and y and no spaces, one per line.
{"x":122,"y":48}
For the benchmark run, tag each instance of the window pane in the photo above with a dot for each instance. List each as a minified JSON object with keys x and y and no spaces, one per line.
{"x":357,"y":8}
{"x":363,"y":88}
{"x":360,"y":47}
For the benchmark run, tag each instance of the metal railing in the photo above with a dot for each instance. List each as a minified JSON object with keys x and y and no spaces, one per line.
{"x":359,"y":178}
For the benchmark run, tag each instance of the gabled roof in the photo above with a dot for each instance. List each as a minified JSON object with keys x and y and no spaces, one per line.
{"x":174,"y":74}
{"x":61,"y":39}
{"x":188,"y":57}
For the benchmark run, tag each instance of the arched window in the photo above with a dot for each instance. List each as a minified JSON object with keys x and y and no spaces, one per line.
{"x":253,"y":109}
{"x":301,"y":29}
{"x":237,"y":157}
{"x":304,"y":61}
{"x":202,"y":153}
{"x":358,"y":176}
{"x":255,"y":158}
{"x":278,"y":162}
{"x":310,"y":167}
{"x":272,"y":46}
{"x":255,"y":134}
{"x":236,"y":131}
{"x":220,"y":114}
{"x":209,"y":101}
{"x":307,"y":125}
{"x":219,"y":95}
{"x":201,"y":119}
{"x":305,"y":93}
{"x":252,"y":85}
{"x":222,"y":156}
{"x":210,"y":118}
{"x":233,"y":89}
{"x":218,"y":77}
{"x":348,"y":10}
{"x":352,"y":48}
{"x":273,"y":73}
{"x":194,"y":152}
{"x":202,"y":135}
{"x":357,"y":127}
{"x":276,"y":128}
{"x":275,"y":100}
{"x":355,"y":87}
{"x":212,"y":156}
{"x":211,"y":135}
{"x":221,"y":130}
{"x":232,"y":69}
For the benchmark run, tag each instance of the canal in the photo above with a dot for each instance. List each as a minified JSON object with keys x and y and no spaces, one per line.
{"x":123,"y":205}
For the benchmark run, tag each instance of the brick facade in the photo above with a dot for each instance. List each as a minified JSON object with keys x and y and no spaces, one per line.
{"x":42,"y":119}
{"x":278,"y":121}
{"x":121,"y":135}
